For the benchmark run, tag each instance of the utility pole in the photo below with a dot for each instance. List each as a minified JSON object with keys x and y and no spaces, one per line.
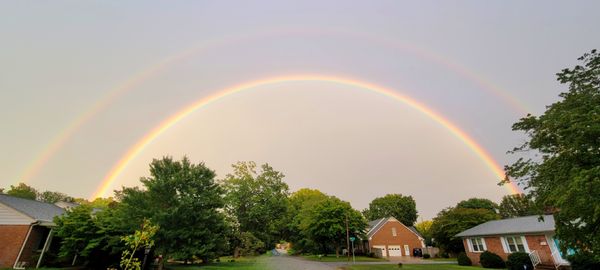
{"x":347,"y":239}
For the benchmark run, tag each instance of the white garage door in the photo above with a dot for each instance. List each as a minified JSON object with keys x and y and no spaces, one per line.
{"x":395,"y":251}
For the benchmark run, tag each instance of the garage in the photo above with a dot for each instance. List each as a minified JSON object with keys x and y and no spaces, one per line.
{"x":395,"y":251}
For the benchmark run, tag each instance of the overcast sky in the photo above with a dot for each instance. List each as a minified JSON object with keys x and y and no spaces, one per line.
{"x":480,"y":64}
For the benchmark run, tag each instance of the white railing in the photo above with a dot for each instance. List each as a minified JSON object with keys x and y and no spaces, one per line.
{"x":535,"y":258}
{"x":558,"y":260}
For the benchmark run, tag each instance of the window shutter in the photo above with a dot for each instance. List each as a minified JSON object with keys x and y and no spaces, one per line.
{"x":483,"y":242}
{"x":504,"y":245}
{"x":525,"y":244}
{"x":470,"y":244}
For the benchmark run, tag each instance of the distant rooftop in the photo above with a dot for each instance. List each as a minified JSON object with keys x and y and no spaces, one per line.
{"x":39,"y":211}
{"x":520,"y":225}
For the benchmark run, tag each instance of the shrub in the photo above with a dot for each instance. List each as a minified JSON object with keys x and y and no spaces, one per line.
{"x":426,"y":256}
{"x":400,"y":265}
{"x":445,"y":255}
{"x":517,"y":260}
{"x":463,"y":259}
{"x":584,"y":261}
{"x":371,"y":255}
{"x":491,"y":260}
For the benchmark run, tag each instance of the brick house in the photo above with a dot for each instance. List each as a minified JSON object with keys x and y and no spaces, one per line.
{"x":25,"y":231}
{"x":390,"y":238}
{"x":523,"y":234}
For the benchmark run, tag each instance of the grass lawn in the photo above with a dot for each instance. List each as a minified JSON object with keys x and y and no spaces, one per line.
{"x":441,"y":259}
{"x":332,"y":258}
{"x":411,"y":267}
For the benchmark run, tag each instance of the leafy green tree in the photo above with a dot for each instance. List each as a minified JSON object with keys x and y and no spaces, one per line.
{"x":184,"y":201}
{"x":139,"y":239}
{"x":54,"y":197}
{"x":403,"y":208}
{"x":424,"y":227}
{"x":517,"y":205}
{"x":300,"y":204}
{"x":477,"y":203}
{"x":257,"y":199}
{"x":23,"y":191}
{"x":452,"y":221}
{"x":91,"y":238}
{"x":1,"y":190}
{"x":561,"y":162}
{"x":325,"y":223}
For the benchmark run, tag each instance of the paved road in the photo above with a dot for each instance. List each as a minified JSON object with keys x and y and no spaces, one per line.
{"x":284,"y":261}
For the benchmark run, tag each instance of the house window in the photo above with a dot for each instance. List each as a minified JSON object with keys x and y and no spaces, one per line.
{"x":394,"y":232}
{"x":477,"y":244}
{"x":514,"y":244}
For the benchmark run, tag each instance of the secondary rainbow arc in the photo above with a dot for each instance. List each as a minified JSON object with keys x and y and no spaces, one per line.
{"x":139,"y":146}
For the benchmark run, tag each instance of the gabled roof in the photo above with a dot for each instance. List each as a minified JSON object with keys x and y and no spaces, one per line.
{"x":39,"y":211}
{"x":375,"y":225}
{"x":520,"y":225}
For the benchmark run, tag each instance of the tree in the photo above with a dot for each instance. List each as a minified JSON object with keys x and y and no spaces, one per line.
{"x":424,"y":227}
{"x":139,"y":239}
{"x":403,"y":208}
{"x":23,"y":191}
{"x":477,"y":203}
{"x":562,"y":170}
{"x":184,"y":201}
{"x":54,"y":197}
{"x":300,"y":203}
{"x":257,"y":199}
{"x":517,"y":205}
{"x":325,"y":223}
{"x":452,"y":221}
{"x":91,"y":238}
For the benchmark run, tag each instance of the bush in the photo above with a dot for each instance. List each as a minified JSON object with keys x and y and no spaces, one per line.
{"x":399,"y":265}
{"x":445,"y":255}
{"x":463,"y":259}
{"x":584,"y":261}
{"x":426,"y":256}
{"x":517,"y":260}
{"x":371,"y":255}
{"x":491,"y":260}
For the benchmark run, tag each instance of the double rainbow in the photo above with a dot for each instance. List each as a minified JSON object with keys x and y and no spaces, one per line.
{"x":133,"y":152}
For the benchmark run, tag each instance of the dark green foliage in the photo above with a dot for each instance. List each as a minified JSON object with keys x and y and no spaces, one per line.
{"x":565,"y":173}
{"x":491,"y":260}
{"x":584,"y":261}
{"x":257,"y":200}
{"x":325,"y":223}
{"x":517,"y":205}
{"x":478,"y":203}
{"x":452,"y":221}
{"x":300,"y":203}
{"x":54,"y":197}
{"x":403,"y":208}
{"x":23,"y":191}
{"x":463,"y":259}
{"x":517,"y":260}
{"x":183,"y":200}
{"x":94,"y":238}
{"x":426,"y":256}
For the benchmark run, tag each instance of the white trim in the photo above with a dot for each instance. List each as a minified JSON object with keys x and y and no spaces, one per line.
{"x":525,"y":243}
{"x":470,"y":244}
{"x":383,"y":219}
{"x":45,"y":248}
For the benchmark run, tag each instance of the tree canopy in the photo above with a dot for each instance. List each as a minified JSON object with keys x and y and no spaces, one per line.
{"x":478,"y":203}
{"x":517,"y":205}
{"x":257,"y":200}
{"x":23,"y":191}
{"x":559,"y":163}
{"x":403,"y":208}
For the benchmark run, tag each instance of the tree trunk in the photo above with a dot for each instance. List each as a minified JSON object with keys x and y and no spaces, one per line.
{"x":337,"y":250}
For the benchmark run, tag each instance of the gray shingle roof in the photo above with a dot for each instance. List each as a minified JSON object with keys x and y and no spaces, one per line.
{"x":374,"y":225}
{"x":40,"y":211}
{"x":528,"y":224}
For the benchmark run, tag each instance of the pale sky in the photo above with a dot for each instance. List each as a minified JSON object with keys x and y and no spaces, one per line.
{"x":480,"y":64}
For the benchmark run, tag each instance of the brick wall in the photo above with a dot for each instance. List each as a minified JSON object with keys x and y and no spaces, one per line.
{"x":404,"y":236}
{"x":494,"y":244}
{"x":11,"y":237}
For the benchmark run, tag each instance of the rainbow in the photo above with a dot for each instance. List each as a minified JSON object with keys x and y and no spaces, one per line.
{"x":57,"y":142}
{"x":136,"y":149}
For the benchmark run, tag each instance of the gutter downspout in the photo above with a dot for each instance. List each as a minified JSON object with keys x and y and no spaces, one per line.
{"x":45,"y":248}
{"x":24,"y":243}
